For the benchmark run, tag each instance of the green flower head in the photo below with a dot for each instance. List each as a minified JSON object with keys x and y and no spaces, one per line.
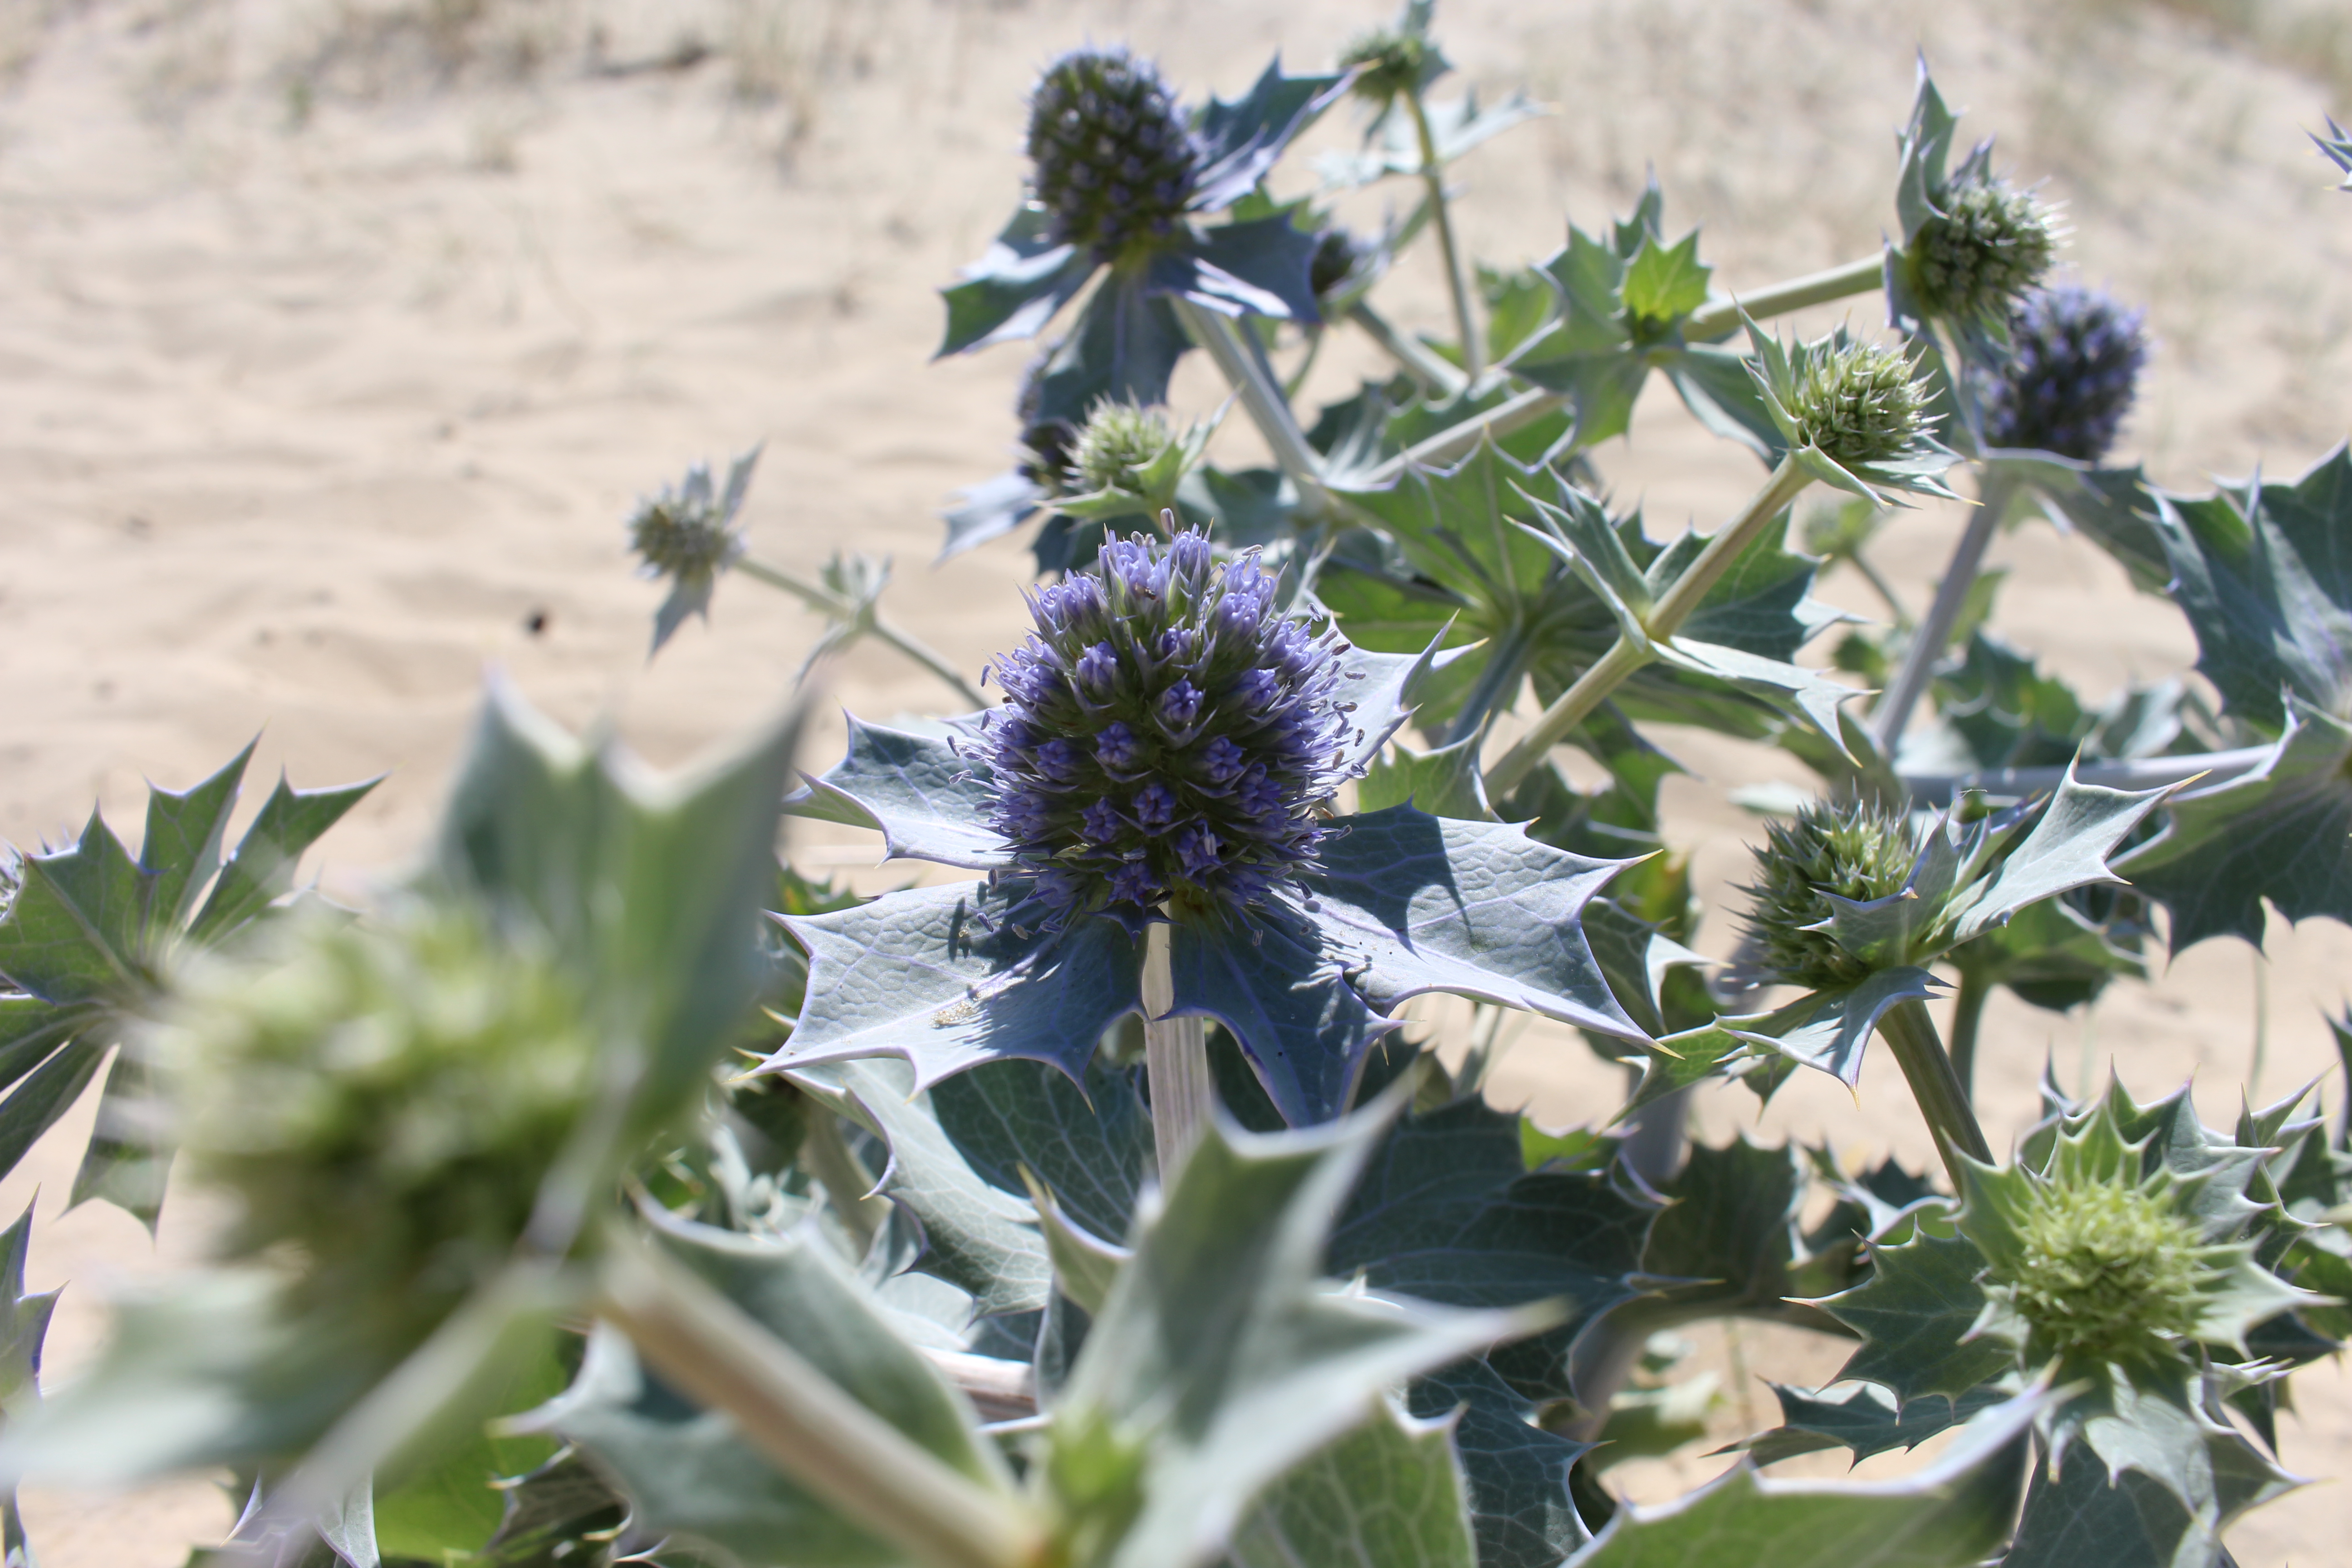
{"x":1858,"y":851}
{"x":1856,"y":414}
{"x":1117,"y":443}
{"x":2103,"y":1254}
{"x":382,"y":1100}
{"x":1987,"y":243}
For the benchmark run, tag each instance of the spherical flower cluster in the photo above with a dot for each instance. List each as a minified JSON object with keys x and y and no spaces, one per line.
{"x":1113,"y":160}
{"x":688,"y":533}
{"x":1989,"y":245}
{"x":1169,"y":736}
{"x":2074,"y":359}
{"x":1858,"y":402}
{"x":2105,"y":1271}
{"x":1118,"y":441}
{"x":1858,"y":851}
{"x":1394,"y":61}
{"x":383,"y":1100}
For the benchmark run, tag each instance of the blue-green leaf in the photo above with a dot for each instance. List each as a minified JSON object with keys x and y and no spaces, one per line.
{"x":948,"y":978}
{"x":262,"y":869}
{"x":1303,"y":1026}
{"x":1917,"y":1312}
{"x":1390,"y":1494}
{"x":1016,"y":287}
{"x":928,"y":802}
{"x":1241,"y":140}
{"x":1830,"y":1030}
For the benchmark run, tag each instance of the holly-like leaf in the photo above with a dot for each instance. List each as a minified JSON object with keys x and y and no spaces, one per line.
{"x":2280,"y":832}
{"x":1302,"y":1026}
{"x":1950,"y":1514}
{"x":1864,"y":1421}
{"x":1455,"y":126}
{"x":1018,"y":285}
{"x":2083,"y":1519}
{"x":1240,"y":140}
{"x":2066,"y":849}
{"x":1089,"y":1143}
{"x":1390,"y":1494}
{"x":1445,"y":782}
{"x":1730,"y":1233}
{"x":2261,"y":573}
{"x":24,"y":1324}
{"x":1516,"y":1471}
{"x":1411,"y":902}
{"x":990,"y":509}
{"x":1219,"y":1362}
{"x":1830,"y":1030}
{"x":1665,"y":282}
{"x":1124,"y":347}
{"x":946,"y":979}
{"x":1916,"y":1314}
{"x":928,"y":802}
{"x":976,"y":1235}
{"x":89,"y":936}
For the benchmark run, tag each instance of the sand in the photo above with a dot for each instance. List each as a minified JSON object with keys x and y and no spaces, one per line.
{"x":336,"y":341}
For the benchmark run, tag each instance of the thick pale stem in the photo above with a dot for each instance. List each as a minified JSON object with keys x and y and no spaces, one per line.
{"x":1626,"y":655}
{"x":1261,"y":399}
{"x":1910,"y":1034}
{"x":1457,"y":279}
{"x":1893,"y":712}
{"x":826,"y":603}
{"x":1175,"y":1061}
{"x":711,"y":1351}
{"x":1857,"y":277}
{"x":1425,"y":367}
{"x":1967,"y":1016}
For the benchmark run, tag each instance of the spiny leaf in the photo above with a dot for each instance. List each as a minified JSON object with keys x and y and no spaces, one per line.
{"x":927,"y":801}
{"x":1390,"y":1494}
{"x":1949,"y":1515}
{"x":1916,"y":1314}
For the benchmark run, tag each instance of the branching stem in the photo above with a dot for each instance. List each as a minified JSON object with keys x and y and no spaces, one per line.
{"x":1457,"y":279}
{"x":827,"y":603}
{"x":1910,"y":1034}
{"x":1856,"y":277}
{"x":1425,"y":367}
{"x":1626,"y":655}
{"x":710,"y":1349}
{"x":1220,"y":337}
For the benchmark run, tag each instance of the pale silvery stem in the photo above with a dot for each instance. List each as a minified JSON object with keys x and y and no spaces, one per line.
{"x":1626,"y":656}
{"x":826,"y":603}
{"x":1457,"y":279}
{"x":1175,"y":1059}
{"x":1717,"y":316}
{"x":1425,"y":367}
{"x":710,"y":1349}
{"x":1892,"y":715}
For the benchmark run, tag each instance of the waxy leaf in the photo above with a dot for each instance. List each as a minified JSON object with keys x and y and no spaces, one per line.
{"x":1864,"y":1421}
{"x":976,"y":1235}
{"x":943,"y":977}
{"x":1219,"y":1362}
{"x":1411,"y":902}
{"x":1390,"y":1494}
{"x":928,"y":802}
{"x":2082,"y":1517}
{"x":1951,"y":1514}
{"x":2280,"y":832}
{"x":1830,"y":1030}
{"x":1516,"y":1472}
{"x":1915,"y":1314}
{"x":88,"y":942}
{"x":1089,"y":1141}
{"x":24,"y":1324}
{"x":1021,"y":283}
{"x":2067,"y":849}
{"x":1240,"y":140}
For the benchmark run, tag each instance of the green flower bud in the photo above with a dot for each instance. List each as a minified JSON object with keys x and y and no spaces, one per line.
{"x":687,"y":533}
{"x":382,"y":1100}
{"x":1858,"y":851}
{"x":1860,"y":403}
{"x":1395,"y":61}
{"x":1989,"y":244}
{"x":1118,"y":442}
{"x":2105,"y":1271}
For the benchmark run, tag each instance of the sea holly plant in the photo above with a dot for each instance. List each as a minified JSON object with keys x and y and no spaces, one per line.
{"x":1166,"y":759}
{"x":89,"y":938}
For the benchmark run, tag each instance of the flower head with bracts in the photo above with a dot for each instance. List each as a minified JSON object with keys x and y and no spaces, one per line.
{"x":1169,"y":752}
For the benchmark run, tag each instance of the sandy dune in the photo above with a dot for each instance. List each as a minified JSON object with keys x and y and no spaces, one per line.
{"x":335,"y":341}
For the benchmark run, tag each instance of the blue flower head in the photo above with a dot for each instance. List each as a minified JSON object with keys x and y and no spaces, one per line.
{"x":1113,"y":161}
{"x":1170,"y":734}
{"x":2074,"y":359}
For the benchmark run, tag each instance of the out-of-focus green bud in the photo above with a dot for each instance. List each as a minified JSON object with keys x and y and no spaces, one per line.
{"x":1859,"y":851}
{"x":383,"y":1100}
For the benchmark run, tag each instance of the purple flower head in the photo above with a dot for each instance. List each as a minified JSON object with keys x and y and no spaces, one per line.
{"x":2074,"y":359}
{"x":1170,"y":733}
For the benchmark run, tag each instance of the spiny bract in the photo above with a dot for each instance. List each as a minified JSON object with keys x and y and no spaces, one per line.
{"x":1990,"y":243}
{"x":1113,"y":160}
{"x":1394,"y":61}
{"x":1171,"y":734}
{"x":1858,"y":851}
{"x":1857,"y":402}
{"x":386,"y":1099}
{"x":2074,"y":359}
{"x":685,"y":533}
